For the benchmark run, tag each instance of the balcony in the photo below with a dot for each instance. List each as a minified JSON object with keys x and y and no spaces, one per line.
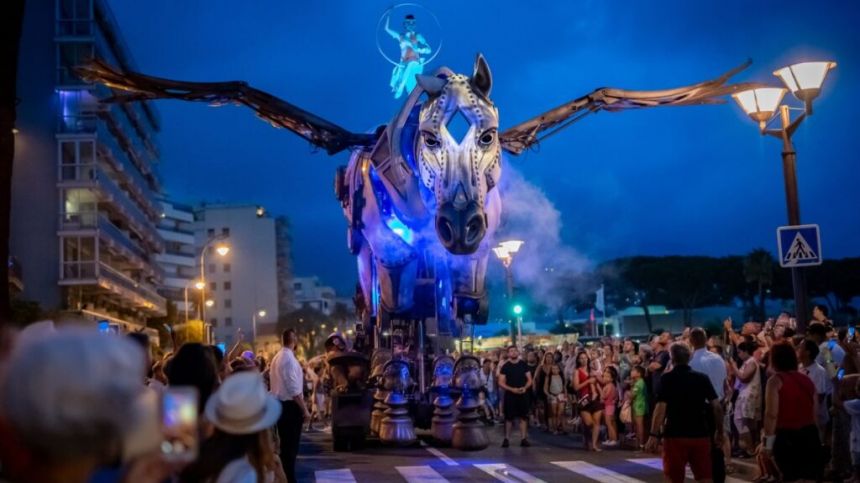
{"x":173,"y":259}
{"x":110,"y":192}
{"x":99,"y":274}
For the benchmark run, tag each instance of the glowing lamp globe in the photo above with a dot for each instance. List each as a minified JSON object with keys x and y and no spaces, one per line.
{"x":518,"y":309}
{"x":501,"y":253}
{"x":210,"y":303}
{"x":199,"y":285}
{"x":804,"y":79}
{"x":261,"y":313}
{"x":511,"y":246}
{"x":222,"y":250}
{"x":760,"y":104}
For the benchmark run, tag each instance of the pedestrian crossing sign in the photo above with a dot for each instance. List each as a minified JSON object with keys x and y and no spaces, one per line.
{"x":799,"y":246}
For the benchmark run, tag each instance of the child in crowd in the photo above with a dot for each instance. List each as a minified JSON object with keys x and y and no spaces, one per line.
{"x":639,"y":396}
{"x":609,"y":395}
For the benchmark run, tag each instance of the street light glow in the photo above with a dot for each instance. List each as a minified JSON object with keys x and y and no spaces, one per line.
{"x":760,"y":104}
{"x":518,"y":309}
{"x":222,"y":250}
{"x":210,"y":303}
{"x":805,"y":78}
{"x":200,"y":285}
{"x":511,"y":246}
{"x":261,"y":313}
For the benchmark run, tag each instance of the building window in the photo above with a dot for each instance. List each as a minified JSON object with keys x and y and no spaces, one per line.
{"x":77,"y":160}
{"x":213,"y":322}
{"x":74,"y":17}
{"x":210,"y":232}
{"x":212,"y":268}
{"x":79,"y":208}
{"x":78,"y":258}
{"x":228,"y":285}
{"x":226,"y":268}
{"x":70,"y":55}
{"x":297,"y":286}
{"x":213,"y":286}
{"x":228,"y":303}
{"x":228,"y":321}
{"x":225,"y":231}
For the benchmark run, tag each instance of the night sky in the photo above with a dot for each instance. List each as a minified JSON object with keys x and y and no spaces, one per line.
{"x":691,"y":180}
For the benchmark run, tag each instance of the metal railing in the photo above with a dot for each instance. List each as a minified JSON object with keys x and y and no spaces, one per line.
{"x":143,"y":290}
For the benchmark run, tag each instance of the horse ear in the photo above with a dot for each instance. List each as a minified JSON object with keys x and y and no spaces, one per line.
{"x":482,"y":79}
{"x":431,"y":84}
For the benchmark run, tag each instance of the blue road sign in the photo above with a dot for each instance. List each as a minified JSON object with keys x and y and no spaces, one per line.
{"x":799,"y":246}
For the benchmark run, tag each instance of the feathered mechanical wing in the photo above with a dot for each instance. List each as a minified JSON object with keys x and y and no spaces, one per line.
{"x":525,"y":135}
{"x":279,"y":113}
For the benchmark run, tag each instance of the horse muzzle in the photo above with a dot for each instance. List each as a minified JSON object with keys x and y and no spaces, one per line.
{"x":461,"y":230}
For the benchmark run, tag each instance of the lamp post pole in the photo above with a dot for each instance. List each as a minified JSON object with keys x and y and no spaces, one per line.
{"x":789,"y":172}
{"x":222,"y":251}
{"x":762,"y":105}
{"x":505,"y":252}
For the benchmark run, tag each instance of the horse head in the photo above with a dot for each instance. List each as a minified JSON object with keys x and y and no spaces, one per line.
{"x":460,"y":171}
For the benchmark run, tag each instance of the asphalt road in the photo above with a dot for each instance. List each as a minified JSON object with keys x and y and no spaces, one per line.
{"x":550,"y":459}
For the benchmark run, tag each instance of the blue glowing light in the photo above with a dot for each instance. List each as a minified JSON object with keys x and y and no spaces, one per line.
{"x":400,"y":229}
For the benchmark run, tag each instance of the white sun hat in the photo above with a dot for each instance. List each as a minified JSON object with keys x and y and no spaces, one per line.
{"x":242,"y":405}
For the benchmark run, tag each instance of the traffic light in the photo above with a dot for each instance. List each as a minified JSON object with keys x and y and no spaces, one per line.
{"x":518,"y":309}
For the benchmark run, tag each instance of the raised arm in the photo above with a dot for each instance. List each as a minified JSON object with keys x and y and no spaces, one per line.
{"x":392,"y":33}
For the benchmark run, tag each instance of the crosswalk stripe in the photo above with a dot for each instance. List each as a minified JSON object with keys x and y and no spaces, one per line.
{"x":657,"y":464}
{"x":594,"y":472}
{"x":507,"y":474}
{"x":420,"y":474}
{"x":334,"y":476}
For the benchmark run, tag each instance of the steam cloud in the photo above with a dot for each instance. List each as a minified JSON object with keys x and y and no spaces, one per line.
{"x":545,"y":265}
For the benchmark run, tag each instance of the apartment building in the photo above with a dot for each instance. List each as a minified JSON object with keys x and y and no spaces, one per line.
{"x":84,"y":203}
{"x":244,"y":286}
{"x":179,"y":260}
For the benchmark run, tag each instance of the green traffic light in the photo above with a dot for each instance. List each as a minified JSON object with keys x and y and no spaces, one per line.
{"x":518,"y":309}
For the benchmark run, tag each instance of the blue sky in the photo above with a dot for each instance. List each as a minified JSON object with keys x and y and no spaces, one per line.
{"x":692,"y":180}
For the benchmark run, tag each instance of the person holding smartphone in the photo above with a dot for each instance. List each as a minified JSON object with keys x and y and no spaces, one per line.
{"x":287,"y":381}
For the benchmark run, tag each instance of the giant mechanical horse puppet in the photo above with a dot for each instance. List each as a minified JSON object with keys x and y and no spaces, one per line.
{"x":421,"y":205}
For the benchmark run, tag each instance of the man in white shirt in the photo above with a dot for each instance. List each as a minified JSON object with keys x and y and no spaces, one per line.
{"x":287,"y":384}
{"x":707,"y":362}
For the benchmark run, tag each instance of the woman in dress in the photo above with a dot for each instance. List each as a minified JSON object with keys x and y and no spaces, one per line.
{"x":588,"y":398}
{"x":747,"y":411}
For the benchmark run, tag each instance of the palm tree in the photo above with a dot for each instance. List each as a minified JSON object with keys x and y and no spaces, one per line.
{"x":758,"y":269}
{"x":12,"y":13}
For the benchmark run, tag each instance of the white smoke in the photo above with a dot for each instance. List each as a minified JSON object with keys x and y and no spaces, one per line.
{"x":544,"y":265}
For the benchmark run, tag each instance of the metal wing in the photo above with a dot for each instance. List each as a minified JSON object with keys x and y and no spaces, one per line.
{"x":525,"y":135}
{"x":277,"y":112}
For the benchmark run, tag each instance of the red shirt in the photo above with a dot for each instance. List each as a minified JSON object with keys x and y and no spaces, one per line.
{"x":796,"y":401}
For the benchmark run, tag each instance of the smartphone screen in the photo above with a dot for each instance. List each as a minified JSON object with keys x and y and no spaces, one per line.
{"x":831,"y":344}
{"x":179,"y":423}
{"x":840,"y":373}
{"x":851,"y":331}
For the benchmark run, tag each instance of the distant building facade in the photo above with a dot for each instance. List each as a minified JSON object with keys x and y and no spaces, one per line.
{"x":245,"y":285}
{"x":179,"y":260}
{"x":84,"y":206}
{"x":309,"y":292}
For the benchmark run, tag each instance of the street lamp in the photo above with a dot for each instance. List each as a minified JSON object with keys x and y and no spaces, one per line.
{"x":222,"y":249}
{"x":505,"y":252}
{"x":210,"y":302}
{"x":804,"y":80}
{"x":260,"y":313}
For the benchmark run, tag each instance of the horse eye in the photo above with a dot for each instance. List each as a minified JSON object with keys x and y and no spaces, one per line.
{"x":487,"y":138}
{"x":430,"y":140}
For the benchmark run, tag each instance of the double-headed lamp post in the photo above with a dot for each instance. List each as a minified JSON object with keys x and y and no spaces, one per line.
{"x":762,"y":105}
{"x":222,"y":249}
{"x":505,"y":252}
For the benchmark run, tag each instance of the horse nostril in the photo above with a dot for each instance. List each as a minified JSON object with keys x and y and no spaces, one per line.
{"x":445,"y":230}
{"x":475,"y":229}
